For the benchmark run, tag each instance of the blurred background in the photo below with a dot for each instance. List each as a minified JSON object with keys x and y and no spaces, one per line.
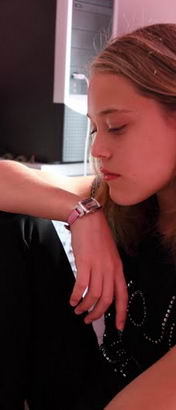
{"x":46,"y":47}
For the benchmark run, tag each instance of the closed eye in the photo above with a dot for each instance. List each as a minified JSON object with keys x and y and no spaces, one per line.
{"x":110,"y":130}
{"x":117,"y":129}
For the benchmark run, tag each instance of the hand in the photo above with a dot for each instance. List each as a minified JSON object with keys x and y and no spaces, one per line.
{"x":99,"y":269}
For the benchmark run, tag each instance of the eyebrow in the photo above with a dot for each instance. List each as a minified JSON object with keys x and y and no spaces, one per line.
{"x":110,"y":111}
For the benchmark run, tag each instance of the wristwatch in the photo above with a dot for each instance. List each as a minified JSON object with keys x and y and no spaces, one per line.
{"x":84,"y":207}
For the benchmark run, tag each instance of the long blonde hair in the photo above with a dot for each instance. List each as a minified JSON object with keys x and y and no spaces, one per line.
{"x":146,"y":57}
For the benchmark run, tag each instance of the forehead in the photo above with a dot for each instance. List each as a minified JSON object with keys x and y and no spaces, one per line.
{"x":108,"y":90}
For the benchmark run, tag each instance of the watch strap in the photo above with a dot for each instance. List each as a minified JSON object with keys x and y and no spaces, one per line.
{"x":84,"y":207}
{"x":73,"y":216}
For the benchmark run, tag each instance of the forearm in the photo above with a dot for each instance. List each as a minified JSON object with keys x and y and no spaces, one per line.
{"x":153,"y":389}
{"x":78,"y":185}
{"x":22,"y":190}
{"x":25,"y":190}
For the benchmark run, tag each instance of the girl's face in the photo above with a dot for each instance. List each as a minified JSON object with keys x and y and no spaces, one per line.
{"x":134,"y":139}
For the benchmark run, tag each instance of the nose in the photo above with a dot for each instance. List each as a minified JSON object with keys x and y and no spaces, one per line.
{"x":99,"y":148}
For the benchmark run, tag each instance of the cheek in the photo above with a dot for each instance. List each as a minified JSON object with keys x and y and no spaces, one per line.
{"x":149,"y":155}
{"x":145,"y":170}
{"x":152,"y":167}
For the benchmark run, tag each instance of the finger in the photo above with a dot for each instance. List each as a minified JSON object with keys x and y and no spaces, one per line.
{"x":104,"y":301}
{"x":93,"y":293}
{"x":121,"y":302}
{"x":82,"y":281}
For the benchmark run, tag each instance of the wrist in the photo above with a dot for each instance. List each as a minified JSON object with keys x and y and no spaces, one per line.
{"x":83,"y":208}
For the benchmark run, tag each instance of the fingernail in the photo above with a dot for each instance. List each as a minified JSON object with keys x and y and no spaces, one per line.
{"x":120,"y":326}
{"x":73,"y":302}
{"x":77,"y":311}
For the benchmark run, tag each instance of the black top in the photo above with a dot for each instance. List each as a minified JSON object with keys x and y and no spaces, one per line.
{"x":46,"y":351}
{"x":150,"y":329}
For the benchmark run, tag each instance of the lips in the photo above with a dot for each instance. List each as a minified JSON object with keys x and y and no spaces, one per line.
{"x":108,"y":175}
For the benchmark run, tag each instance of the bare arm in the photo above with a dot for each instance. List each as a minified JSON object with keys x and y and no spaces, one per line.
{"x":79,"y":185}
{"x":153,"y":389}
{"x":30,"y":191}
{"x":38,"y":193}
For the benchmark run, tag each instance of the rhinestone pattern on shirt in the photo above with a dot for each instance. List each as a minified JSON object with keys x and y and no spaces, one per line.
{"x":113,"y":347}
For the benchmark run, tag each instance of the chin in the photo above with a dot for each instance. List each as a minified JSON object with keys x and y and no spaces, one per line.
{"x":118,"y":199}
{"x":123,"y":200}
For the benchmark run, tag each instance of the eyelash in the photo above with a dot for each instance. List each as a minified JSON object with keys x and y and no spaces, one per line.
{"x":117,"y":129}
{"x":113,"y":130}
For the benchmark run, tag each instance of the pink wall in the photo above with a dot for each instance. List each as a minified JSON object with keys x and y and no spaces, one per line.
{"x":135,"y":13}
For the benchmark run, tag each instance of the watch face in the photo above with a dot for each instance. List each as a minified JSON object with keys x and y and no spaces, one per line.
{"x":90,"y":204}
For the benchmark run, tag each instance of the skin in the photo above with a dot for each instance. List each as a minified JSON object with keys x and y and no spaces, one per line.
{"x":38,"y":193}
{"x":153,"y":389}
{"x":143,"y":153}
